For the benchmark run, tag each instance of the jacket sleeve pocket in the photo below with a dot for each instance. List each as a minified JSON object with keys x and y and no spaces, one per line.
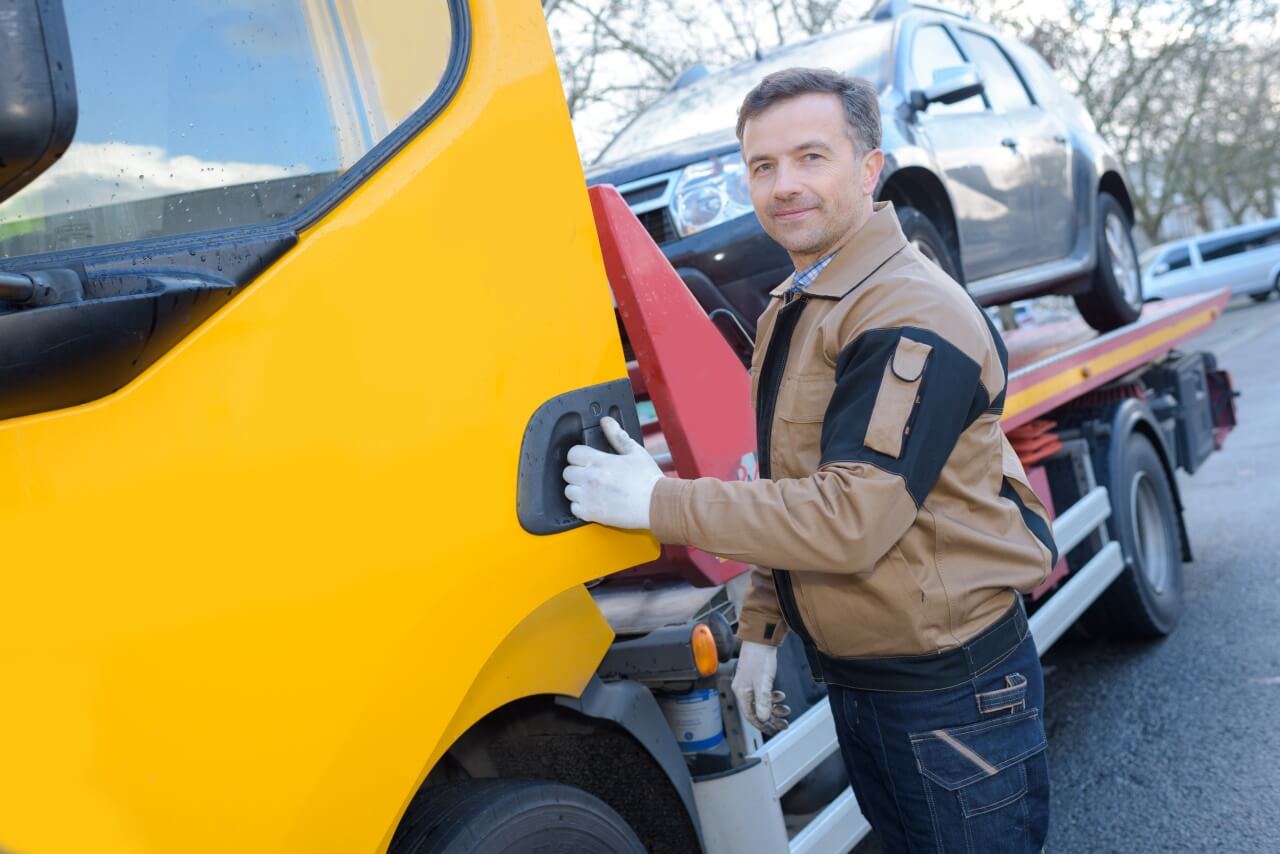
{"x":897,"y":398}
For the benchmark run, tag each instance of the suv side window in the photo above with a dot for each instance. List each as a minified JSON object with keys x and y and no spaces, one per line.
{"x":197,"y":116}
{"x":933,"y":49}
{"x":1005,"y":89}
{"x":1175,"y":259}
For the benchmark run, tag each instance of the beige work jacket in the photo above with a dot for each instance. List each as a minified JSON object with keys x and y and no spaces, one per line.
{"x":891,"y":516}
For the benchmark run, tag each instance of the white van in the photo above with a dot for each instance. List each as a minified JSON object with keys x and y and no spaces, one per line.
{"x":1245,"y":259}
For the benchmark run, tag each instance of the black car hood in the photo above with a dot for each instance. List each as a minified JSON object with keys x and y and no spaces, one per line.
{"x":663,"y":159}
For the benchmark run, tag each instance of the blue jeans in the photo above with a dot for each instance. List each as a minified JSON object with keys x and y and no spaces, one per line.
{"x":960,"y":769}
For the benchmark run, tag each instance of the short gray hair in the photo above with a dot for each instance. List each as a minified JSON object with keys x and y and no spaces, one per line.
{"x":861,"y":108}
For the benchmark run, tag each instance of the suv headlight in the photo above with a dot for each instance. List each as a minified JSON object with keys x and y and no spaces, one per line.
{"x":709,"y":193}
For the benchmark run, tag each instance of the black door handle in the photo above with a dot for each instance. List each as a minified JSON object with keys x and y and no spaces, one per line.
{"x":568,"y":419}
{"x":1009,"y":143}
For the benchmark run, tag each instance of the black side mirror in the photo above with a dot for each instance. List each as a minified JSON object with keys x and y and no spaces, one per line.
{"x":949,"y":86}
{"x":37,"y":91}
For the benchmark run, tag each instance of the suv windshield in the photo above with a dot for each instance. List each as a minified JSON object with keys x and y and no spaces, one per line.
{"x":711,"y":104}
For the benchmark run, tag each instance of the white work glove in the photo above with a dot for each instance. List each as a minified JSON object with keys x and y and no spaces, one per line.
{"x":612,"y":489}
{"x":753,"y":686}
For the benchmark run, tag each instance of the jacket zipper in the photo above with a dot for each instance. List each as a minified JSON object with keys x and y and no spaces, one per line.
{"x":772,"y":368}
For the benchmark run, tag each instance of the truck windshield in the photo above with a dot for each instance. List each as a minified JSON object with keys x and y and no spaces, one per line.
{"x":711,"y":104}
{"x":197,"y":115}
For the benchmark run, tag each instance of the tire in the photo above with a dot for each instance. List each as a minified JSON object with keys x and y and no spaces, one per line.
{"x":924,"y":236}
{"x":1114,"y":298}
{"x":1145,"y":600}
{"x":511,"y":815}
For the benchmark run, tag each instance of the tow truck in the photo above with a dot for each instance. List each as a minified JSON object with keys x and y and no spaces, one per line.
{"x":1101,"y":423}
{"x":291,"y":567}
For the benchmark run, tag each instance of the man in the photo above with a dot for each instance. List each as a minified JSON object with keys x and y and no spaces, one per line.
{"x":895,"y":519}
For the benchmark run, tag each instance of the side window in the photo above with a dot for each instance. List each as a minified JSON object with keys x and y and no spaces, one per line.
{"x":1005,"y":89}
{"x":931,"y":50}
{"x":1175,"y":259}
{"x":1269,"y":236}
{"x":198,"y":115}
{"x":1263,"y":237}
{"x":1224,"y":247}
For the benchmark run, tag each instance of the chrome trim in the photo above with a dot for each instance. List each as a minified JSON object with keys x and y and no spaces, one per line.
{"x":800,"y":748}
{"x":1083,"y":586}
{"x":1081,"y":519}
{"x":661,"y":201}
{"x":831,"y":830}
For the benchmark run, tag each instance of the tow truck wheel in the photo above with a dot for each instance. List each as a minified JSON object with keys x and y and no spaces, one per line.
{"x":497,"y":816}
{"x":1145,"y":601}
{"x":1114,"y":297}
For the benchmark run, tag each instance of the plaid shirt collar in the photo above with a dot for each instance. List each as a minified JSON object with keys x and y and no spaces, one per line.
{"x":804,"y":278}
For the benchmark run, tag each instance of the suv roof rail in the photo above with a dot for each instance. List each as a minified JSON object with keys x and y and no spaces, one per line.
{"x":886,"y":10}
{"x":692,"y":74}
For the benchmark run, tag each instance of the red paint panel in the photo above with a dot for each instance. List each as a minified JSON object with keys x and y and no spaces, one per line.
{"x":699,"y":389}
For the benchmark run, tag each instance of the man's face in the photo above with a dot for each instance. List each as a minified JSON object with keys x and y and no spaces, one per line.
{"x":809,"y":185}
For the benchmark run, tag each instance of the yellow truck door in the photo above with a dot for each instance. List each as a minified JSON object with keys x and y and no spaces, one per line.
{"x":260,"y":484}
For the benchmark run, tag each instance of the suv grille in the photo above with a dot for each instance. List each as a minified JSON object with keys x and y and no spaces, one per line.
{"x":659,"y":225}
{"x":645,"y":194}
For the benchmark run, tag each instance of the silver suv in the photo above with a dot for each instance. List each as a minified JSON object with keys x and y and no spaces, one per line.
{"x":996,"y":172}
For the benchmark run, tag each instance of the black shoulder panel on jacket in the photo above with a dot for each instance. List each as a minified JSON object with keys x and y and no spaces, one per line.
{"x":997,"y":404}
{"x":948,"y":398}
{"x":1034,"y":523}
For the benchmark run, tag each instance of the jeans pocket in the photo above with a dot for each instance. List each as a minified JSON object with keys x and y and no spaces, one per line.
{"x":1012,"y":697}
{"x":976,"y":778}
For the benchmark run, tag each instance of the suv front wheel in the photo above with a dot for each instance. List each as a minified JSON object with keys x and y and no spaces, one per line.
{"x":924,"y":236}
{"x":1114,"y":298}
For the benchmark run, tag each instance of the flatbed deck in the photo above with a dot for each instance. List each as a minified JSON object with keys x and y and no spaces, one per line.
{"x":1052,"y":364}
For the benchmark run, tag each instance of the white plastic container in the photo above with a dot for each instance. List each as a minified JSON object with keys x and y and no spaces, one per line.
{"x":695,"y":719}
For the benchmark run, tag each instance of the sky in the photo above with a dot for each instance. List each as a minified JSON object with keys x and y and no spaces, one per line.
{"x":166,"y":105}
{"x":174,"y":77}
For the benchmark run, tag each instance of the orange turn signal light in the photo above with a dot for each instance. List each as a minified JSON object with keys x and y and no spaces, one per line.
{"x":705,"y":656}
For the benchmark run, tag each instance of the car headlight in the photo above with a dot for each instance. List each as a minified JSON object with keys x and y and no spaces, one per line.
{"x":709,"y":193}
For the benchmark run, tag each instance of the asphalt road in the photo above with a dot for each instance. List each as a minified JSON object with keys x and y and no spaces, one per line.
{"x":1174,"y":745}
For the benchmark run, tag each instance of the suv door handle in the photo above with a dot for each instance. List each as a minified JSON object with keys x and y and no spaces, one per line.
{"x":1060,"y":138}
{"x":1009,"y":143}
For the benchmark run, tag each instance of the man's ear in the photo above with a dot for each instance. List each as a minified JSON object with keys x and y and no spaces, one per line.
{"x":872,"y":165}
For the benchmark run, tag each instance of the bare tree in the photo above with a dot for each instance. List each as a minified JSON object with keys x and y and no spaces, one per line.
{"x":617,"y":56}
{"x":1182,"y":90}
{"x":1187,"y":91}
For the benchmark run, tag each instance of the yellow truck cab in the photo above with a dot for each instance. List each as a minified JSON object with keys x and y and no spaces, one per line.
{"x":264,"y":565}
{"x":302,"y":303}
